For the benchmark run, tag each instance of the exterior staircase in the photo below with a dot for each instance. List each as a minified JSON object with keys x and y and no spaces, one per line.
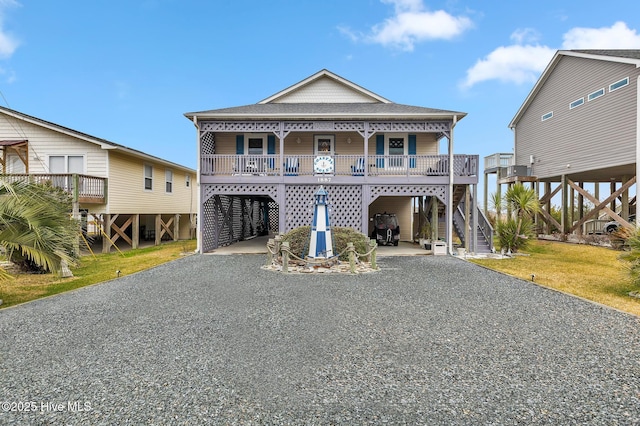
{"x":484,"y":231}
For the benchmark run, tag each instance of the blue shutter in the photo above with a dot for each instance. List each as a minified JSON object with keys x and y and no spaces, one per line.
{"x":412,"y":151}
{"x":271,"y":148}
{"x":239,"y":144}
{"x":380,"y":149}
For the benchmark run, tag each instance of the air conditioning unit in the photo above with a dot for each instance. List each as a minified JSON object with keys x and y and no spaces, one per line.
{"x":518,"y":171}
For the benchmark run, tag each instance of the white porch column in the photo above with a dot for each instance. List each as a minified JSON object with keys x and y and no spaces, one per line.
{"x":366,"y":194}
{"x":450,"y":203}
{"x":198,"y":189}
{"x":475,"y":209}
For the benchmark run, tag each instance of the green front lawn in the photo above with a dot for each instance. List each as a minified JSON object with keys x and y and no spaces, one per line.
{"x":591,"y":272}
{"x":91,"y":270}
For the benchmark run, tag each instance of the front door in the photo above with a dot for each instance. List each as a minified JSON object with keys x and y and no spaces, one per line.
{"x":324,"y":145}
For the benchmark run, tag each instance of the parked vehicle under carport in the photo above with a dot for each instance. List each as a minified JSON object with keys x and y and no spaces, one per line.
{"x":386,"y":230}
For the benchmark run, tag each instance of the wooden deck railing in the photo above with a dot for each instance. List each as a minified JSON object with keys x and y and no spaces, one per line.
{"x":501,"y":159}
{"x":344,"y":165}
{"x":83,"y":188}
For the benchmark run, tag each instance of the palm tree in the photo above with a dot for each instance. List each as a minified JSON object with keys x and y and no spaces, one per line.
{"x":36,"y":230}
{"x":523,"y":202}
{"x":514,"y":230}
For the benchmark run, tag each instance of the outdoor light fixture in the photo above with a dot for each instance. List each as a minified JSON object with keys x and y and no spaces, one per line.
{"x":348,"y":140}
{"x":533,"y":277}
{"x":118,"y":273}
{"x":298,"y":140}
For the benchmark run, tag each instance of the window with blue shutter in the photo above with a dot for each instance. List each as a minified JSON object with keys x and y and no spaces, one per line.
{"x":239,"y":144}
{"x":271,"y":148}
{"x":380,"y":150}
{"x":412,"y":151}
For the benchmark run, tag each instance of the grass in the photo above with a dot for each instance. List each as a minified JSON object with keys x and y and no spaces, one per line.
{"x":90,"y":270}
{"x":594,"y":273}
{"x":591,"y":272}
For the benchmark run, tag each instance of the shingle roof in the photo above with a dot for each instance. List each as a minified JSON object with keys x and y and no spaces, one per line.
{"x":620,"y":53}
{"x":328,"y":110}
{"x":85,"y":136}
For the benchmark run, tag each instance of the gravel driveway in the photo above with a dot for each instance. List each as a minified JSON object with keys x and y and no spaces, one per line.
{"x":215,"y":339}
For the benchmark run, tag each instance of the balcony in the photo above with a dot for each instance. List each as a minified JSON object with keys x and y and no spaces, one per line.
{"x":84,"y":189}
{"x":353,"y":166}
{"x":496,"y":161}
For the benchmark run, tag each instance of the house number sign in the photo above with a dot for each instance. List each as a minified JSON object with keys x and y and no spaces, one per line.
{"x":323,"y":164}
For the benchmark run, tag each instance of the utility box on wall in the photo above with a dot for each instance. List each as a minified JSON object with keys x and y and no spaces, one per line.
{"x":439,"y":248}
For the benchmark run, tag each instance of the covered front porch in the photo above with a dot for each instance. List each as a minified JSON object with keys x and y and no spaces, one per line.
{"x":358,"y":166}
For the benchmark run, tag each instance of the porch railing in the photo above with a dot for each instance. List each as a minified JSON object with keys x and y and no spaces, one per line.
{"x":85,"y":189}
{"x":344,"y":165}
{"x":501,"y":159}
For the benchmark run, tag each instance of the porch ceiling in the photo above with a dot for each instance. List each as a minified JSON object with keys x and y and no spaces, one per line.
{"x":610,"y":174}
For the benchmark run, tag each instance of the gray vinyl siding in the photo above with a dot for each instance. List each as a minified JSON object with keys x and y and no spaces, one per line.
{"x":598,"y":134}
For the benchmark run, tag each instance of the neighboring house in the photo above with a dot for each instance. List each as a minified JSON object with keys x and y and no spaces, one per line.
{"x":579,"y":125}
{"x":259,"y":165}
{"x":119,"y":193}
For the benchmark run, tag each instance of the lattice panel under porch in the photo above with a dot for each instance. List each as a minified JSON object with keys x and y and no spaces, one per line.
{"x":250,"y":217}
{"x":208,"y":142}
{"x":210,"y":190}
{"x":274,"y":217}
{"x":345,"y":205}
{"x":439,"y":191}
{"x":209,"y":211}
{"x":237,"y":218}
{"x":224,"y":231}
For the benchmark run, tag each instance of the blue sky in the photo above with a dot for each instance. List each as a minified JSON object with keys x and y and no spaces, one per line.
{"x":127,"y":71}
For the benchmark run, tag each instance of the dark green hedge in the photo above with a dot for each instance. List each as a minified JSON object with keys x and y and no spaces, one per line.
{"x":299,"y":240}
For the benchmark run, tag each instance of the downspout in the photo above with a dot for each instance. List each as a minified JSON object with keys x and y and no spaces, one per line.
{"x":198,"y":189}
{"x":450,"y":203}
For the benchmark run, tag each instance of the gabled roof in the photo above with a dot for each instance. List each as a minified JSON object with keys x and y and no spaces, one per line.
{"x":325,"y":75}
{"x":625,"y":56}
{"x":103,"y":143}
{"x":326,"y":96}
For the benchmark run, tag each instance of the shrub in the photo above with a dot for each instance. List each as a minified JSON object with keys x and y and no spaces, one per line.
{"x":631,"y":257}
{"x":299,"y":240}
{"x":513,"y":234}
{"x":514,"y":229}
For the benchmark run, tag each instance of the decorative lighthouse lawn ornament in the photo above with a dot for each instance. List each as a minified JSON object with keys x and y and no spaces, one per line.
{"x":321,"y":244}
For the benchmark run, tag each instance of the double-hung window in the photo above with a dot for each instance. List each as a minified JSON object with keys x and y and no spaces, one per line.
{"x":396,"y":152}
{"x":148,"y":177}
{"x":256,"y":146}
{"x":168,"y":181}
{"x":65,"y":165}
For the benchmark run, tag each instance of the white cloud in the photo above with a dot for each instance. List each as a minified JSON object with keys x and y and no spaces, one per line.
{"x":412,"y":24}
{"x":618,"y":36}
{"x":515,"y":64}
{"x":8,"y":44}
{"x":525,"y":35}
{"x":523,"y":63}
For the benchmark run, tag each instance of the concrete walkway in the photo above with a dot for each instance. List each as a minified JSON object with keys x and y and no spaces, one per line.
{"x":217,"y":340}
